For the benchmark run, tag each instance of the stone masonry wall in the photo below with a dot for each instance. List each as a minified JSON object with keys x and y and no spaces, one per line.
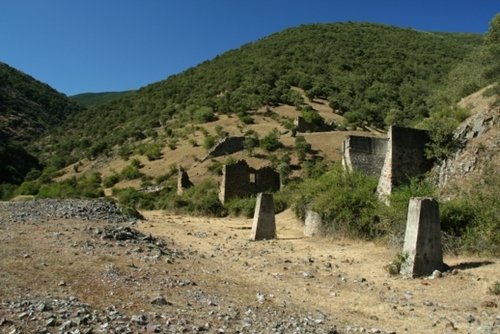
{"x":267,"y":179}
{"x":240,"y":180}
{"x":183,"y":181}
{"x":405,"y":158}
{"x":235,"y":181}
{"x":364,"y":154}
{"x":226,"y":145}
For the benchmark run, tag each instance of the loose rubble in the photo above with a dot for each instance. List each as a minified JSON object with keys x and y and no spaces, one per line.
{"x":51,"y":209}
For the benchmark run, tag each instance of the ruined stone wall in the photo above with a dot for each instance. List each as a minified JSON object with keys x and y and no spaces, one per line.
{"x":226,"y":145}
{"x":235,"y":181}
{"x":301,"y":125}
{"x":364,"y":154}
{"x":183,"y":181}
{"x":240,"y":180}
{"x":267,"y":179}
{"x":405,"y":158}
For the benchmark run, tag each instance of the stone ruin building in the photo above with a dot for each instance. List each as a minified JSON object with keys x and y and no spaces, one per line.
{"x":227,"y":145}
{"x":393,"y":160}
{"x":238,"y":180}
{"x":301,"y":125}
{"x":241,"y":180}
{"x":364,"y":154}
{"x":183,"y":181}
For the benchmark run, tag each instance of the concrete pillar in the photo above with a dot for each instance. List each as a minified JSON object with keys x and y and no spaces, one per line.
{"x":313,"y":224}
{"x":264,"y":225}
{"x":422,"y":244}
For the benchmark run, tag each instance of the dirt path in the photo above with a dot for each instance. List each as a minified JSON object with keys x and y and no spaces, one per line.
{"x":345,"y":279}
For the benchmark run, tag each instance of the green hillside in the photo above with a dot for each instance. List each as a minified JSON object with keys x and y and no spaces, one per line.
{"x":28,"y":109}
{"x":365,"y":71}
{"x":90,"y":99}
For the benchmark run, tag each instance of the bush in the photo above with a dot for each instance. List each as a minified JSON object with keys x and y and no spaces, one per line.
{"x":111,"y":180}
{"x":301,"y":148}
{"x":130,"y":173}
{"x":241,"y":206}
{"x":271,"y":142}
{"x":345,"y":200}
{"x":204,"y":115}
{"x":27,"y":188}
{"x":7,"y":191}
{"x":208,"y":143}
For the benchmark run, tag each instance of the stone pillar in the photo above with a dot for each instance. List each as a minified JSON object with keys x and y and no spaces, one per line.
{"x":264,"y":225}
{"x":313,"y":224}
{"x":422,"y":244}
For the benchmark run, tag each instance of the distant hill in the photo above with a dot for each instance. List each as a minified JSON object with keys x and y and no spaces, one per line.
{"x":28,"y":109}
{"x":90,"y":99}
{"x":363,"y":71}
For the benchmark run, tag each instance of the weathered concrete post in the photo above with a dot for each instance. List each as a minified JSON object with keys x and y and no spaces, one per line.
{"x":423,"y":238}
{"x":313,"y":223}
{"x":264,"y":225}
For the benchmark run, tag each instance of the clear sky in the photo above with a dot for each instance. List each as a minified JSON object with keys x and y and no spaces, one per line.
{"x":114,"y":45}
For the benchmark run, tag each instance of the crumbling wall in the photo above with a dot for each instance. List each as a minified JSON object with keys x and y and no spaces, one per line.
{"x":364,"y":154}
{"x":235,"y":181}
{"x":183,"y":181}
{"x":301,"y":125}
{"x":405,"y":158}
{"x":226,"y":145}
{"x":240,"y":180}
{"x":267,"y":179}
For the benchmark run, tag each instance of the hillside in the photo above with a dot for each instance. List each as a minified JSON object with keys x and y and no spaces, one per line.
{"x":362,"y":71}
{"x":90,"y":99}
{"x":28,"y":109}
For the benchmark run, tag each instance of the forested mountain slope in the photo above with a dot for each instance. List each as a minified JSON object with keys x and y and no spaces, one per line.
{"x":366,"y":72}
{"x":28,"y":109}
{"x":90,"y":99}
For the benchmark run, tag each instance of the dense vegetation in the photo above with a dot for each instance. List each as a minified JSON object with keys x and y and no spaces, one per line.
{"x":28,"y":109}
{"x":90,"y":99}
{"x":370,"y":73}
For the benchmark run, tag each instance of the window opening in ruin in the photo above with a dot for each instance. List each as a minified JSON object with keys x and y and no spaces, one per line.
{"x":252,"y":177}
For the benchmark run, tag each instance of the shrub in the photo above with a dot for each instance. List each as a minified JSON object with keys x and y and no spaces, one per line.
{"x":301,"y":147}
{"x":394,"y":267}
{"x":136,"y":163}
{"x":27,"y":188}
{"x":7,"y":191}
{"x":241,"y":206}
{"x":346,"y":201}
{"x":204,"y":115}
{"x":271,"y":142}
{"x":130,"y":173}
{"x":111,"y":180}
{"x":208,"y":143}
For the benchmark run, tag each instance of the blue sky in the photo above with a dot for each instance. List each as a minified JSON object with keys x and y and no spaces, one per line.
{"x":115,"y":45}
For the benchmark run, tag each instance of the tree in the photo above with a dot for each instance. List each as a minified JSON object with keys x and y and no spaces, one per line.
{"x":301,"y":147}
{"x":249,"y":144}
{"x":491,"y":49}
{"x":271,"y":142}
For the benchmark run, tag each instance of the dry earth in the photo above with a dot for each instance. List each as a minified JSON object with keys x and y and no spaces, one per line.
{"x":213,"y":279}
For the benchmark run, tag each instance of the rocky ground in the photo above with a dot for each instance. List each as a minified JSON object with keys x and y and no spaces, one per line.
{"x":82,"y":267}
